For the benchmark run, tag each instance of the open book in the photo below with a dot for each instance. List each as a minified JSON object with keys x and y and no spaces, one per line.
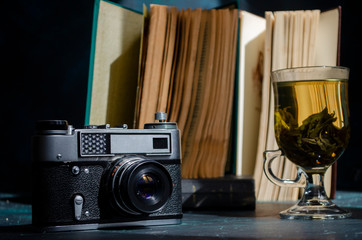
{"x":293,"y":39}
{"x":206,"y":73}
{"x":177,"y":61}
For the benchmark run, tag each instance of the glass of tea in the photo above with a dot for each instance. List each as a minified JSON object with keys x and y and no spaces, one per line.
{"x":311,"y":125}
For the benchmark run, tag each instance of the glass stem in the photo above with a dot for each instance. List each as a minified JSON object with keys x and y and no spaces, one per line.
{"x":314,"y":193}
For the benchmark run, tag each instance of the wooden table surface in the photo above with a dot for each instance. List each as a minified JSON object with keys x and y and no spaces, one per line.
{"x":263,"y":223}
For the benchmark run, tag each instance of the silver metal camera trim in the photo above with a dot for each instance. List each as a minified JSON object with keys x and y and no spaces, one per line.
{"x":66,"y":148}
{"x":128,"y":132}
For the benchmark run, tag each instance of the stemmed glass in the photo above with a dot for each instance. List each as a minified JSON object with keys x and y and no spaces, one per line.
{"x":311,"y":124}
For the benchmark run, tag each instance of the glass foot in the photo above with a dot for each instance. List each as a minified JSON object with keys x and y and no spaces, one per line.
{"x":315,"y":211}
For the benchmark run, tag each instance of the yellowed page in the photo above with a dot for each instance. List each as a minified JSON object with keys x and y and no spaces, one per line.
{"x":167,"y":61}
{"x":153,"y":64}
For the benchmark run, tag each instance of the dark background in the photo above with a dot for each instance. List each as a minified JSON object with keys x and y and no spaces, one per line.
{"x":45,"y":51}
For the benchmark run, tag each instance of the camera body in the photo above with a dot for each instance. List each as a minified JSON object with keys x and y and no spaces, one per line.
{"x":102,"y":177}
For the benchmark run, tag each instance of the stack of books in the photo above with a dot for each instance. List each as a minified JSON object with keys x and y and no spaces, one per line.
{"x":209,"y":70}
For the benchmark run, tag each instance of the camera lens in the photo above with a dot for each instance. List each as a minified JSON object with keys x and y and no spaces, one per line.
{"x":139,"y":185}
{"x":146,"y":187}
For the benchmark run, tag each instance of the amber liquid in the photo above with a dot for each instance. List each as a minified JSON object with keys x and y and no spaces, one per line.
{"x":311,"y":121}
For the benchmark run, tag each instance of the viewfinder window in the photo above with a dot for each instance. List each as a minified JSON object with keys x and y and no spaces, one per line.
{"x":160,"y":143}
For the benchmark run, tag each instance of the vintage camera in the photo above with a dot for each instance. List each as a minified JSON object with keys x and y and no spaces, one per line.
{"x":102,"y":177}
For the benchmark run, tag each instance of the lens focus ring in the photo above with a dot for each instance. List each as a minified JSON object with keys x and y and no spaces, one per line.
{"x":139,"y":185}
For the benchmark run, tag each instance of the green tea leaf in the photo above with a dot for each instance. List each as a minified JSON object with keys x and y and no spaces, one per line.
{"x":316,"y":138}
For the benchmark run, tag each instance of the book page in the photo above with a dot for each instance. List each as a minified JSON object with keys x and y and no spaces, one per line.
{"x":327,"y":50}
{"x":231,"y":115}
{"x":229,"y":67}
{"x":199,"y":150}
{"x":327,"y":42}
{"x":220,"y":158}
{"x":188,"y":85}
{"x":190,"y":136}
{"x":171,"y":95}
{"x":167,"y":62}
{"x":219,"y":82}
{"x":210,"y":149}
{"x":153,"y":65}
{"x":207,"y":131}
{"x":180,"y":63}
{"x":268,"y":190}
{"x":264,"y":115}
{"x":251,"y":54}
{"x":116,"y":62}
{"x":194,"y":74}
{"x":296,"y":37}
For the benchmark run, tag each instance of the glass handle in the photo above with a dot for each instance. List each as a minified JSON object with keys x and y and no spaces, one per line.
{"x":269,"y":157}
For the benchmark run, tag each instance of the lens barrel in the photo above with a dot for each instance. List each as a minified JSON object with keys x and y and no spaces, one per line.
{"x":139,"y":185}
